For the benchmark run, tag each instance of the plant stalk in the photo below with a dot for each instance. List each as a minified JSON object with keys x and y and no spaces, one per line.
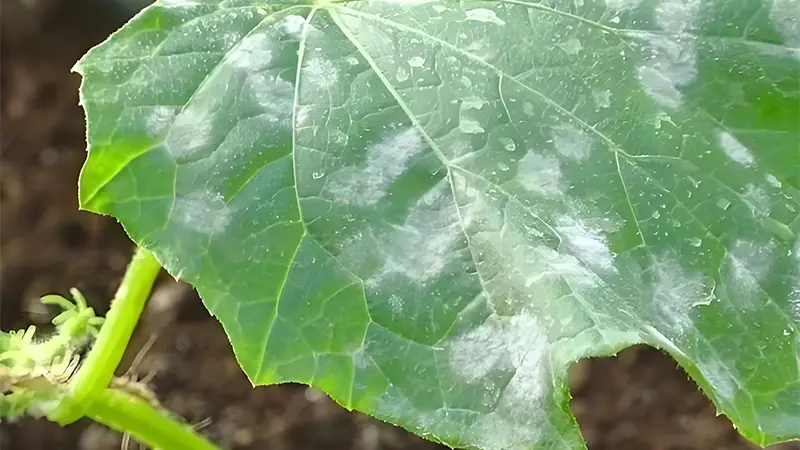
{"x":94,"y":375}
{"x":147,"y":424}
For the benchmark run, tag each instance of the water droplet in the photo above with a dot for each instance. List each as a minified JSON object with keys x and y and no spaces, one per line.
{"x":508,"y":143}
{"x":503,"y":167}
{"x":352,"y":60}
{"x":466,"y":81}
{"x":656,"y":214}
{"x":416,"y":61}
{"x":723,"y":203}
{"x":317,"y":175}
{"x":402,"y":74}
{"x":615,"y":19}
{"x":695,"y":242}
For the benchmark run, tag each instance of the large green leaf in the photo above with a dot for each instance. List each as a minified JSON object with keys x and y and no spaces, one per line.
{"x":430,"y":209}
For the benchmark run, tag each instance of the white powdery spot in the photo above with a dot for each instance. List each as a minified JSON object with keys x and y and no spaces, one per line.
{"x":431,"y":229}
{"x":622,"y":5}
{"x":659,"y":87}
{"x":484,"y":15}
{"x":518,"y":268}
{"x":585,"y":243}
{"x":794,"y":301}
{"x":602,"y":98}
{"x":572,"y":142}
{"x":203,"y":212}
{"x":677,"y":291}
{"x":540,"y":175}
{"x":292,"y":25}
{"x":470,"y":126}
{"x":773,"y":181}
{"x":386,"y":161}
{"x":467,"y":122}
{"x":757,"y":198}
{"x":476,"y":354}
{"x":396,"y":303}
{"x":735,"y":150}
{"x":747,"y":263}
{"x":417,"y":62}
{"x":360,"y":359}
{"x":319,"y":71}
{"x":254,"y":52}
{"x":522,"y":345}
{"x":159,"y":119}
{"x":794,"y":294}
{"x":191,"y":135}
{"x":670,"y":65}
{"x":676,"y":16}
{"x":571,"y":46}
{"x":412,"y":2}
{"x":785,"y":18}
{"x":273,"y":95}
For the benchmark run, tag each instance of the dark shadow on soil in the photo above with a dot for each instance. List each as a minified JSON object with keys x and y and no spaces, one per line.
{"x":637,"y":401}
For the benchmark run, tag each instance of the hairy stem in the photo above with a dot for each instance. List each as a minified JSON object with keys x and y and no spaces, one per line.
{"x":97,"y":370}
{"x":147,"y":424}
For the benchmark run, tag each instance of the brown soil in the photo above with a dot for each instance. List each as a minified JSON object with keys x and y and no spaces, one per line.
{"x":639,"y":400}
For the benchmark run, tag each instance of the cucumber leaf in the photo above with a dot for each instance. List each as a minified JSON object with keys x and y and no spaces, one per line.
{"x":431,"y":209}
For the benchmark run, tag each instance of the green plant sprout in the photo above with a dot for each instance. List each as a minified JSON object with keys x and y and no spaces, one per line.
{"x":49,"y":378}
{"x":431,"y":209}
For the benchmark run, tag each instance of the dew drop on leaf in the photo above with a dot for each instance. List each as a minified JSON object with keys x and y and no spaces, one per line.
{"x":317,"y":175}
{"x":656,"y":214}
{"x":695,"y":242}
{"x":723,"y":203}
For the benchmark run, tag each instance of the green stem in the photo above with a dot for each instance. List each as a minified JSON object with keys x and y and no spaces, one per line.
{"x":147,"y":424}
{"x":97,"y":370}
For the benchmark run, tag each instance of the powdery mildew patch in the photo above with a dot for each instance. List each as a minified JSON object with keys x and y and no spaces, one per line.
{"x":540,"y":174}
{"x":586,"y":243}
{"x":515,"y":342}
{"x":421,"y":248}
{"x":676,"y":292}
{"x":191,"y":135}
{"x":735,"y":150}
{"x":386,"y":161}
{"x":159,"y":119}
{"x":746,"y":264}
{"x":203,"y":212}
{"x":671,"y":63}
{"x":572,"y":142}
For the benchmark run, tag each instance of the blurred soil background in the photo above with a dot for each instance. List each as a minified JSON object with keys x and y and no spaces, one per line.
{"x":639,"y":400}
